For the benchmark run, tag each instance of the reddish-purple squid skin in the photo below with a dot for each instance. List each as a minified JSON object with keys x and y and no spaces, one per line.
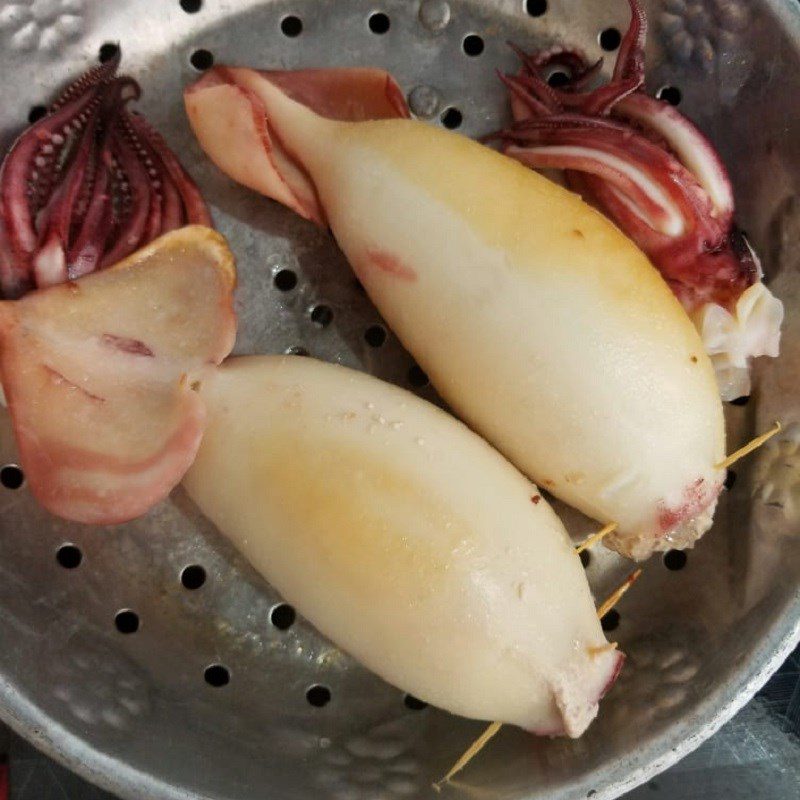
{"x":707,"y":259}
{"x":87,"y":185}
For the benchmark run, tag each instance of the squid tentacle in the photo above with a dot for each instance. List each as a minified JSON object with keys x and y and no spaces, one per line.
{"x":640,"y":160}
{"x":94,"y":77}
{"x":689,"y":145}
{"x":88,"y":184}
{"x":135,"y":204}
{"x":25,"y":158}
{"x":630,"y":60}
{"x":85,"y":248}
{"x":194,"y":207}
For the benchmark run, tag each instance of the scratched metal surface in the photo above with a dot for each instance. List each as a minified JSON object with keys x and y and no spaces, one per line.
{"x":133,"y":713}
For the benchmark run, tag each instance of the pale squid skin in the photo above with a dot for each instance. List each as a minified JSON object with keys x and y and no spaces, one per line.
{"x":538,"y":321}
{"x":405,"y":538}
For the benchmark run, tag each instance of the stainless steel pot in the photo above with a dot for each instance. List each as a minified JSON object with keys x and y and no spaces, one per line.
{"x":208,"y":697}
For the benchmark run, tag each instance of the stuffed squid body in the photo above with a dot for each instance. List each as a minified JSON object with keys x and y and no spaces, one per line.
{"x":539,"y":322}
{"x":405,"y":538}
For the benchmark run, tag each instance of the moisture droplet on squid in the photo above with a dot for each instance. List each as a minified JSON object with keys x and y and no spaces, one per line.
{"x":594,"y":381}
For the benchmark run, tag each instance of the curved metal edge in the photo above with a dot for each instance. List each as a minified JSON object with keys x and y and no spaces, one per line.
{"x":670,"y":748}
{"x":132,"y":784}
{"x":95,"y":767}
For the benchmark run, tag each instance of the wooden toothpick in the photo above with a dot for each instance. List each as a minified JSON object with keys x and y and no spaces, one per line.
{"x":615,"y":596}
{"x":470,"y":753}
{"x":596,"y":537}
{"x":603,"y":648}
{"x":494,"y":727}
{"x":749,"y":447}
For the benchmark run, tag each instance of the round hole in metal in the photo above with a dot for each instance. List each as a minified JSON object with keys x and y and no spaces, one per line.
{"x":107,"y":51}
{"x":417,"y":377}
{"x":322,"y":315}
{"x":558,"y":79}
{"x":217,"y":675}
{"x":375,"y":335}
{"x":202,"y":59}
{"x":670,"y":94}
{"x":282,"y":616}
{"x":69,"y":556}
{"x":413,"y":703}
{"x":127,"y":621}
{"x":610,"y":39}
{"x":11,"y":477}
{"x":318,"y":695}
{"x":193,"y":577}
{"x":291,"y":26}
{"x":191,"y":6}
{"x":536,"y":8}
{"x":36,"y":113}
{"x":452,"y":118}
{"x":285,"y":280}
{"x":610,"y":621}
{"x":675,"y":559}
{"x":473,"y":45}
{"x":379,"y":22}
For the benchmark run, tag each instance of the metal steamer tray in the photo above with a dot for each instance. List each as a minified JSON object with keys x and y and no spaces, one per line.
{"x":151,"y":659}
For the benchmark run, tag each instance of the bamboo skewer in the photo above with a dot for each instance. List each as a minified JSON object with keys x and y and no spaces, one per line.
{"x":596,"y":537}
{"x":616,"y":595}
{"x":493,"y":729}
{"x":749,"y":447}
{"x":469,"y":754}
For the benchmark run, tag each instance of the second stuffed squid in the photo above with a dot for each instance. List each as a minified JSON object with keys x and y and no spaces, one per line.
{"x":405,"y":538}
{"x":542,"y":325}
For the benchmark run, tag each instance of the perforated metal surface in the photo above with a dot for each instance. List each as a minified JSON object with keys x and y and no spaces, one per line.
{"x":134,"y":711}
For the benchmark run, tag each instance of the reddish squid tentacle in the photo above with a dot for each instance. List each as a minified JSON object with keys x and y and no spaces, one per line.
{"x":86,"y":185}
{"x":639,"y":160}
